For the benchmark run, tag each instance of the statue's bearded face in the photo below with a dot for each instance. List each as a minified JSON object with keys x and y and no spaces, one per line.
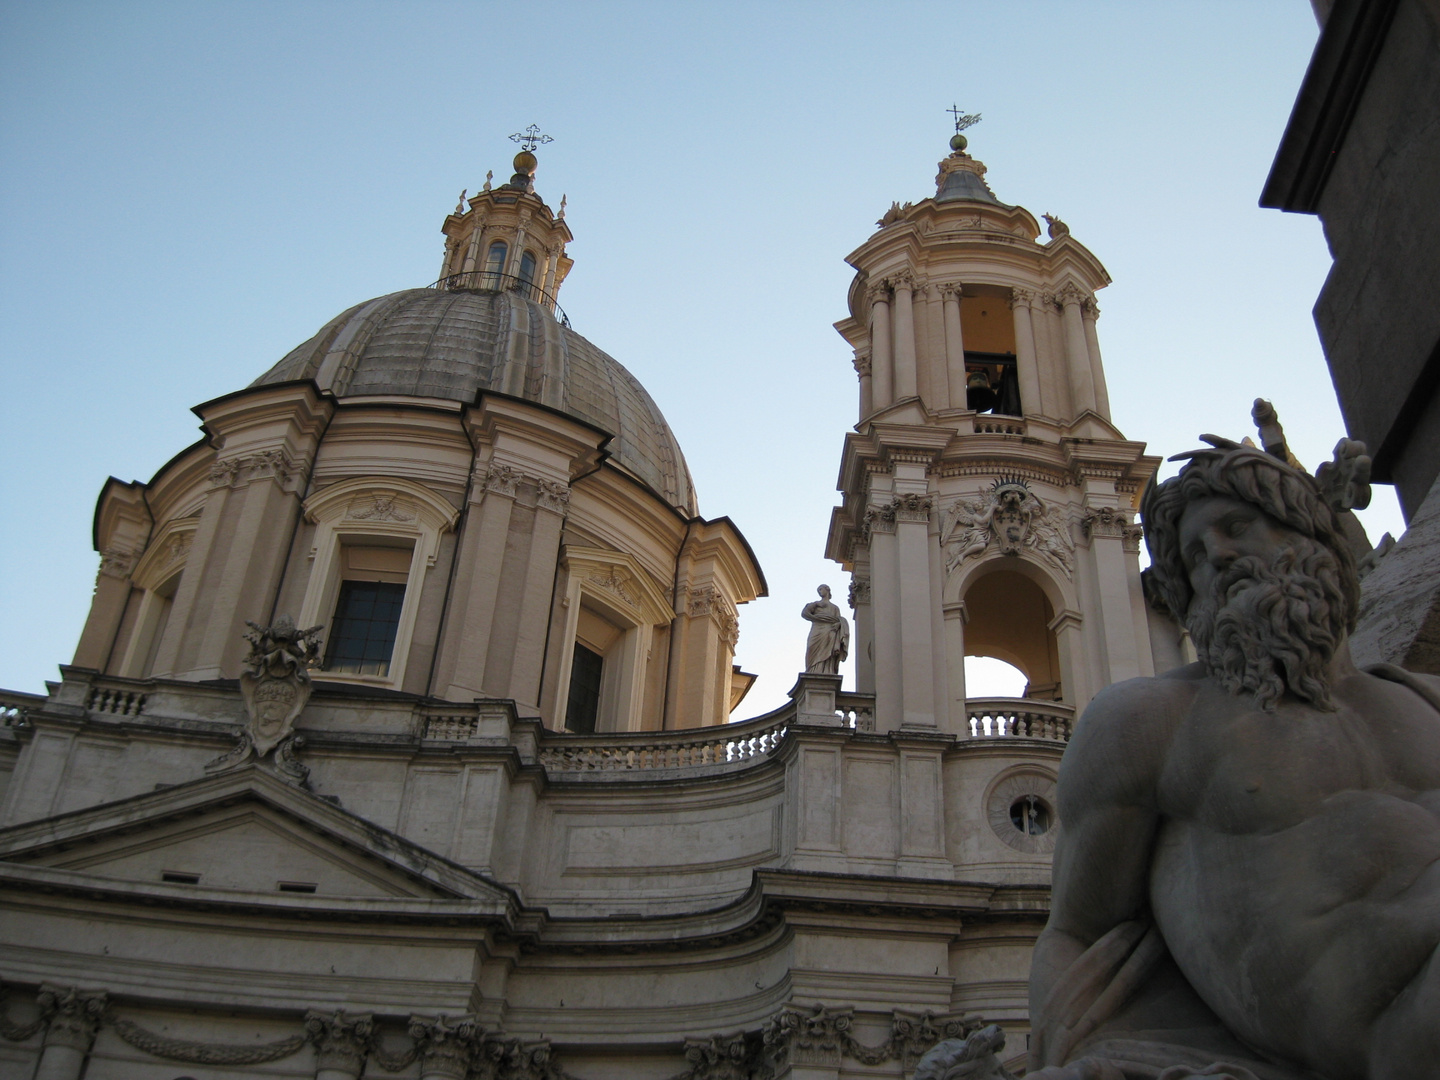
{"x":1267,"y":613}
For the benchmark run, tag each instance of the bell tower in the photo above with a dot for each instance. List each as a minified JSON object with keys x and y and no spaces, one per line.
{"x":989,"y":501}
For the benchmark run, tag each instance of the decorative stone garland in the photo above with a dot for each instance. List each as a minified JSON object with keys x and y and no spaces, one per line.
{"x":204,"y":1053}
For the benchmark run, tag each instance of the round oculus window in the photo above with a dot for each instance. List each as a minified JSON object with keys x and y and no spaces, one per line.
{"x":1021,"y":810}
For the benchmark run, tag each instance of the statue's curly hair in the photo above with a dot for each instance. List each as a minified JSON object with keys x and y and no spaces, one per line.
{"x":1289,"y":495}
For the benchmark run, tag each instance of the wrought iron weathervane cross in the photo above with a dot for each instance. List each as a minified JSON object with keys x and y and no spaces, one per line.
{"x":530,"y":138}
{"x":963,"y":120}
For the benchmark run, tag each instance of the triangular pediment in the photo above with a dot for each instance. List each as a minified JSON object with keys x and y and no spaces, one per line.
{"x":245,"y":831}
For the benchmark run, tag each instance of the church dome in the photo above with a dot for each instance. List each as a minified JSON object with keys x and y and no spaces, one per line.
{"x":452,"y":344}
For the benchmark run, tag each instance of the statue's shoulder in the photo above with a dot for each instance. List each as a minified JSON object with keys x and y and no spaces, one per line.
{"x":1128,"y":727}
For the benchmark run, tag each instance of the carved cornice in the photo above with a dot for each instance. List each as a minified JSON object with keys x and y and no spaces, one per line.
{"x":245,"y":469}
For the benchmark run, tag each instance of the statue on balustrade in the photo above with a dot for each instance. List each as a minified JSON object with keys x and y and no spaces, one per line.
{"x":829,"y":641}
{"x":1248,"y":881}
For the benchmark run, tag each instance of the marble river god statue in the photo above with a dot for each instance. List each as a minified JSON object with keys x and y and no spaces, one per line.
{"x":1248,"y":881}
{"x":829,"y":642}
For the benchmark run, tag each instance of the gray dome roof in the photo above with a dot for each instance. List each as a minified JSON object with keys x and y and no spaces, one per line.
{"x":454,"y":344}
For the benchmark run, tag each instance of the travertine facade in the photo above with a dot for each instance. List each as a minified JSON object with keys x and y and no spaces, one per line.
{"x":497,"y":830}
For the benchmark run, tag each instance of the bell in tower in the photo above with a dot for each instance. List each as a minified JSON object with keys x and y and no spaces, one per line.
{"x":990,"y":504}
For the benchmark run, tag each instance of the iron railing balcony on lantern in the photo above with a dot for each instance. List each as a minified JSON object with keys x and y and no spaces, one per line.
{"x":489,"y":281}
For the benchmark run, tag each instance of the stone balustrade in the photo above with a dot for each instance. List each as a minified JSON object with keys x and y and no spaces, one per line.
{"x":1020,"y":718}
{"x":728,"y":744}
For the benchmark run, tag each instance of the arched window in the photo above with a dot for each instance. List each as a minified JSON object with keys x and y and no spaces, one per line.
{"x":495,"y":263}
{"x":527,"y":272}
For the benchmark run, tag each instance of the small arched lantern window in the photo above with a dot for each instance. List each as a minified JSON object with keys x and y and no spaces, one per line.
{"x":527,"y":271}
{"x":495,"y":260}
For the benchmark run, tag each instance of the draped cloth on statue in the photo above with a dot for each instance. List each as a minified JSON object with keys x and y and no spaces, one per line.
{"x":1125,"y":1002}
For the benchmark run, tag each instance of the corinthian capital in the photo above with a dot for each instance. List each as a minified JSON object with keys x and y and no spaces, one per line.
{"x":447,"y":1045}
{"x":951,"y":289}
{"x":1021,"y":297}
{"x":1089,"y":308}
{"x":878,"y":291}
{"x":340,"y":1039}
{"x":72,"y":1016}
{"x":1070,"y":294}
{"x":862,"y":362}
{"x":903,"y":280}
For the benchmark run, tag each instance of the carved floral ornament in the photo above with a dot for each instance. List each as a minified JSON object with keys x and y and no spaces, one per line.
{"x":457,"y":1047}
{"x":264,"y":465}
{"x":1110,"y":522}
{"x":1013,"y":519}
{"x":499,"y":478}
{"x":883,"y":517}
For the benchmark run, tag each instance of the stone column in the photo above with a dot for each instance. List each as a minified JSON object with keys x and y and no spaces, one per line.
{"x":447,"y":1045}
{"x":112,"y":593}
{"x":552,"y":267}
{"x":480,"y":557}
{"x":885,"y":578}
{"x":912,"y":527}
{"x":1027,"y":365}
{"x":72,"y":1019}
{"x":1077,"y":351}
{"x":533,"y":618}
{"x":341,"y":1042}
{"x":905,"y":378}
{"x":1107,"y":529}
{"x":862,"y":370}
{"x":954,"y":345}
{"x":881,"y":355}
{"x":864,"y":648}
{"x":267,"y":486}
{"x":955,"y":668}
{"x":1090,"y":311}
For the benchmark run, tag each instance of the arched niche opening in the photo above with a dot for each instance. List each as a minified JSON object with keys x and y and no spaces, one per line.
{"x":1008,"y":618}
{"x":988,"y":330}
{"x":991,"y":677}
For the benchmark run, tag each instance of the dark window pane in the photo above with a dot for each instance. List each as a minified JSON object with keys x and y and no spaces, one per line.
{"x":362,"y":636}
{"x":584,"y":701}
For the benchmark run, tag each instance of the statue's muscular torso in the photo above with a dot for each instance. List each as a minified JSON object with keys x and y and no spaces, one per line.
{"x":1293,"y":860}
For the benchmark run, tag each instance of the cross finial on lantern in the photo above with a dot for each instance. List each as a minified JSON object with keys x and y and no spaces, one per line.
{"x":530,"y":138}
{"x":963,"y":120}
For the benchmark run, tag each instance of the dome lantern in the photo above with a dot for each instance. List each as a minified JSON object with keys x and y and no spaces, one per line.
{"x":506,"y":238}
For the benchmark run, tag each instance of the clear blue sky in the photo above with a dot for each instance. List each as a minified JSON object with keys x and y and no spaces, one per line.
{"x":188,"y":190}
